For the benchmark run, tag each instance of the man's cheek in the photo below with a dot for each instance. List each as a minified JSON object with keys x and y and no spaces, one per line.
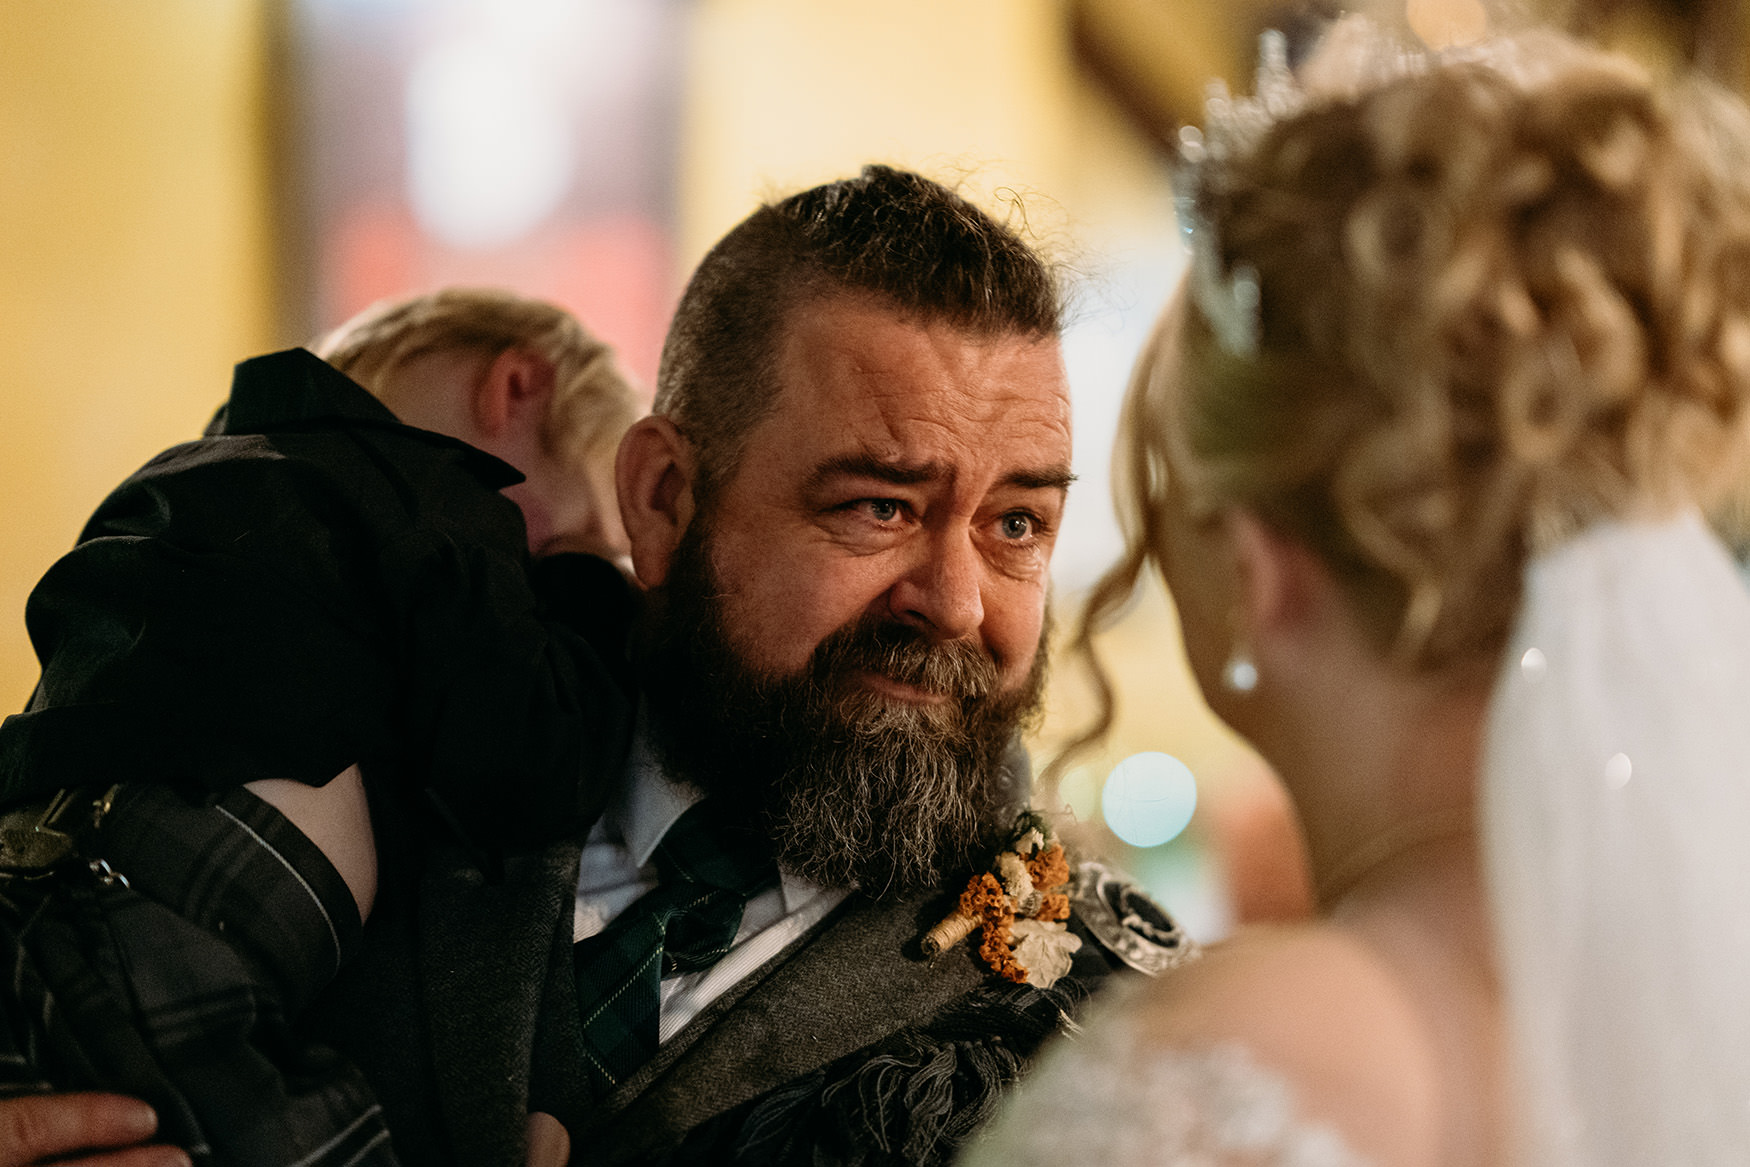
{"x":1017,"y":641}
{"x":1026,"y":669}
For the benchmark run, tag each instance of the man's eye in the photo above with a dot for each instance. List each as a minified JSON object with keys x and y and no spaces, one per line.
{"x":1016,"y":526}
{"x":882,"y":510}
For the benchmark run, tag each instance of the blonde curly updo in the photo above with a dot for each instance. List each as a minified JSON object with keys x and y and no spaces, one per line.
{"x":1500,"y":295}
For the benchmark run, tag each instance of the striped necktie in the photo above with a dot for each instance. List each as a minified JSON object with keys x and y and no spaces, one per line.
{"x":707,"y":872}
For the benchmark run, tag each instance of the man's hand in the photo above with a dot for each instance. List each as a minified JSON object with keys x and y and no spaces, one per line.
{"x":549,"y":1141}
{"x":47,"y":1127}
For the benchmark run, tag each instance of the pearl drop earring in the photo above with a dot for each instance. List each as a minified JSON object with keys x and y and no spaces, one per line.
{"x":1240,"y":673}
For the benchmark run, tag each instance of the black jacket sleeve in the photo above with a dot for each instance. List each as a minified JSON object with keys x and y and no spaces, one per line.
{"x":286,"y":605}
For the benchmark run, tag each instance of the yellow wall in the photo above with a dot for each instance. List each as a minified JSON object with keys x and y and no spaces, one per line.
{"x":782,"y":94}
{"x":134,"y":254}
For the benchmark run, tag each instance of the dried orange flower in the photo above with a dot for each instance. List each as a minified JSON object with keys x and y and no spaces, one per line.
{"x":1053,"y":906}
{"x":1049,"y":868}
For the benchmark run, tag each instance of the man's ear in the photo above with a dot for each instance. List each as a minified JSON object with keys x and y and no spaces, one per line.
{"x":654,"y":477}
{"x":511,"y":396}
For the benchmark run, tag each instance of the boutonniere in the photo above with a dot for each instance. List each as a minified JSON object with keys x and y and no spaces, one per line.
{"x":1019,"y":907}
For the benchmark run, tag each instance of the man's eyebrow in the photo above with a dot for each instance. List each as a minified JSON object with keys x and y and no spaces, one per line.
{"x":1057,"y":478}
{"x":902,"y":474}
{"x":869,"y":466}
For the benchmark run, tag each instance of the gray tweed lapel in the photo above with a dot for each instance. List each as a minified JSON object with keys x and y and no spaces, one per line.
{"x":856,"y":979}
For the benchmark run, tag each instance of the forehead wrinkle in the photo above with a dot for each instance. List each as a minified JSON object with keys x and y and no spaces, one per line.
{"x":867,"y":464}
{"x":957,"y":401}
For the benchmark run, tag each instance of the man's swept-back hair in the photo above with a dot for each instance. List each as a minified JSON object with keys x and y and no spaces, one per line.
{"x":593,"y":402}
{"x":887,"y":234}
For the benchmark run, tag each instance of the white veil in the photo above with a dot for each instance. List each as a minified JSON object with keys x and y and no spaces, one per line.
{"x":1616,"y":811}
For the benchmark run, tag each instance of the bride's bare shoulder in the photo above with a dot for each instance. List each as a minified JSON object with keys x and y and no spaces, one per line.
{"x":1317,"y":1006}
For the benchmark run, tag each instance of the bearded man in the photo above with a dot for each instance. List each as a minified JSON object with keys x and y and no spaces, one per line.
{"x":842,"y":509}
{"x":841,"y":515}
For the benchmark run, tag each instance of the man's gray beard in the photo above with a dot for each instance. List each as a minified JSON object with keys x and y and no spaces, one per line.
{"x":852,"y":787}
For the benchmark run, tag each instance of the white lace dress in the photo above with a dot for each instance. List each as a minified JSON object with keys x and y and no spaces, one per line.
{"x":1102,"y":1097}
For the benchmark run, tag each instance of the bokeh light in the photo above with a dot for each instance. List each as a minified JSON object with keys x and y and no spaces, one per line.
{"x":489,"y":154}
{"x":1149,"y":799}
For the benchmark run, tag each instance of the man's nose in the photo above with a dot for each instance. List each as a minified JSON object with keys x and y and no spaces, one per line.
{"x":943,"y":594}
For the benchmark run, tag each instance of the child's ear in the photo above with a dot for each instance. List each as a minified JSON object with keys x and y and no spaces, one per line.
{"x":654,"y":477}
{"x":513,"y":393}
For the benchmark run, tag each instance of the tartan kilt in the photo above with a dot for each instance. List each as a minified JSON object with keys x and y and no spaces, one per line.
{"x":167,"y":957}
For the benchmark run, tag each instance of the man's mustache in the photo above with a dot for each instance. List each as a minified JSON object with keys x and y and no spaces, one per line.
{"x":957,"y":669}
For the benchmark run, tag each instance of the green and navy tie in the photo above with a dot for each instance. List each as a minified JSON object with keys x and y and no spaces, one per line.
{"x":708,"y":871}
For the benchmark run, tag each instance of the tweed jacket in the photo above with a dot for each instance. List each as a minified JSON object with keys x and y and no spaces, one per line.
{"x":463,"y":1014}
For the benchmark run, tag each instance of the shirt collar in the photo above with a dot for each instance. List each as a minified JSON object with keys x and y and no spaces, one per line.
{"x":293,"y":386}
{"x":650,"y":801}
{"x":798,"y":891}
{"x":296,"y":389}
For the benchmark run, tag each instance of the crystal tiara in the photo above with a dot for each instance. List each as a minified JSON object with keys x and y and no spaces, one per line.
{"x":1229,"y":299}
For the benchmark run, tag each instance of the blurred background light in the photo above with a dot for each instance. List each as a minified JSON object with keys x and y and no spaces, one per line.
{"x":1149,"y":798}
{"x":489,"y":154}
{"x":1441,"y":23}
